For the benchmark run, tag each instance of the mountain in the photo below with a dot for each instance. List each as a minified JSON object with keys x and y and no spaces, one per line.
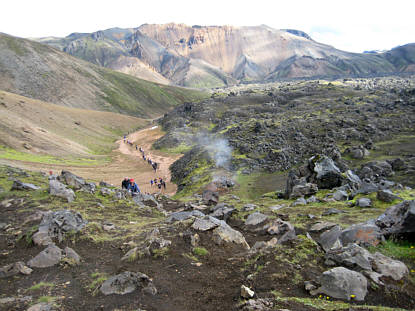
{"x":42,"y":72}
{"x":212,"y":56}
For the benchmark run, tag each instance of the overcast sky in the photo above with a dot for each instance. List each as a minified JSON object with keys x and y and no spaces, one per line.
{"x":351,"y":25}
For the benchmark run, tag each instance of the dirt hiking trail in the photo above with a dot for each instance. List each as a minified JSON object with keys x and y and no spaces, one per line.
{"x":145,"y":139}
{"x":126,"y":161}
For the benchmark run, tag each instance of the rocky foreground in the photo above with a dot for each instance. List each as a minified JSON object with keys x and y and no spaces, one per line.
{"x":291,"y":196}
{"x":69,"y":244}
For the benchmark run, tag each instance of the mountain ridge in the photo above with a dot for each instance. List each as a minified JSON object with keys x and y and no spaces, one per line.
{"x":225,"y":55}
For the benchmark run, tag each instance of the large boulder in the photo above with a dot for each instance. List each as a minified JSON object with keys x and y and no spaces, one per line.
{"x":364,"y":234}
{"x":398,"y":219}
{"x":127,"y":282}
{"x":359,"y":259}
{"x":389,"y":267}
{"x":58,"y":189}
{"x":352,"y":256}
{"x":49,"y":257}
{"x":227,"y":235}
{"x":56,"y":225}
{"x":328,"y":175}
{"x":78,"y":183}
{"x":343,"y":283}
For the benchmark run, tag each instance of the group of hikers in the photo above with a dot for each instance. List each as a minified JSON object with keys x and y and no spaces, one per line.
{"x":153,"y":164}
{"x":129,"y":183}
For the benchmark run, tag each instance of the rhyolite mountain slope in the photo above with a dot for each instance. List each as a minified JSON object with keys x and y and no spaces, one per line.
{"x":42,"y":72}
{"x":211,"y":56}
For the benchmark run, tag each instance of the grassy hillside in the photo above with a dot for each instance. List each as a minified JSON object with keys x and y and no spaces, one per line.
{"x":38,"y":71}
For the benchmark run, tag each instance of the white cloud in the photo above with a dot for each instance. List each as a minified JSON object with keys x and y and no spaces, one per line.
{"x":350,"y":25}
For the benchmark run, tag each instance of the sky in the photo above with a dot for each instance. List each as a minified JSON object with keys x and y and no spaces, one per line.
{"x":349,"y":25}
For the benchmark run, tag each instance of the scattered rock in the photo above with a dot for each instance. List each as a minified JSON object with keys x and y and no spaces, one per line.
{"x":249,"y":207}
{"x":246,"y":292}
{"x":255,"y":219}
{"x":258,"y":305}
{"x":72,"y":255}
{"x":180,"y":216}
{"x":299,"y":201}
{"x":309,"y":286}
{"x":332,"y":211}
{"x":367,"y":187}
{"x":58,"y":189}
{"x":49,"y":257}
{"x":330,"y":239}
{"x":364,"y":202}
{"x":322,"y":225}
{"x":145,"y":200}
{"x":56,"y":225}
{"x":206,"y":223}
{"x":106,"y":191}
{"x":222,"y":211}
{"x":43,"y":306}
{"x":105,"y":184}
{"x":14,"y":300}
{"x":387,"y":196}
{"x":14,"y":269}
{"x":302,"y":190}
{"x":312,"y":199}
{"x":108,"y":226}
{"x":282,"y":229}
{"x":121,"y":194}
{"x":18,"y":185}
{"x":342,"y":283}
{"x":340,"y":195}
{"x":127,"y":282}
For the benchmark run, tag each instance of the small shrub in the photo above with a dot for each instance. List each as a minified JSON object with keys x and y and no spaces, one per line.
{"x":200,"y":251}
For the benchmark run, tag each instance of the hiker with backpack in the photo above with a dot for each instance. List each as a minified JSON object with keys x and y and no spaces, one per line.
{"x":133,"y":187}
{"x":125,"y":183}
